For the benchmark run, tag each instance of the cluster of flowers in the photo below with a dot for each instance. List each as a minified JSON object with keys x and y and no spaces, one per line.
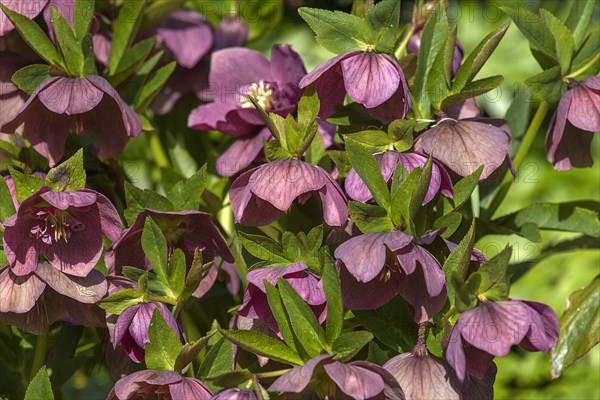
{"x":55,"y":239}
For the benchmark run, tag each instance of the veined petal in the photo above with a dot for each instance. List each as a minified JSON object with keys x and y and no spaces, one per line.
{"x":188,"y":36}
{"x":18,"y":294}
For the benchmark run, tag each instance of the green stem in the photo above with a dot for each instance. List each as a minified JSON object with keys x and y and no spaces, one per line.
{"x":160,"y":155}
{"x":403,"y":43}
{"x":271,"y":374}
{"x":39,"y":357}
{"x":524,"y":148}
{"x":447,"y":316}
{"x":167,"y":300}
{"x":584,"y":68}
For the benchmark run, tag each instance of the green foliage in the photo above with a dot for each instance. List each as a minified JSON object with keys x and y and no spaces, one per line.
{"x":68,"y":176}
{"x":119,"y":301}
{"x":39,"y":387}
{"x":125,"y":29}
{"x":367,"y":168}
{"x":164,"y":346}
{"x":337,"y":31}
{"x":25,"y":185}
{"x":263,"y":345}
{"x":30,"y":77}
{"x":154,"y":245}
{"x":380,"y":26}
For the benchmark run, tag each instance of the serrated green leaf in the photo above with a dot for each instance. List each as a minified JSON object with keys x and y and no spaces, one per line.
{"x":369,"y":217}
{"x":291,"y":246}
{"x":465,"y":293}
{"x":565,"y":45}
{"x":119,"y":301}
{"x":586,"y":53}
{"x":186,"y":194}
{"x":335,"y":308}
{"x":459,"y":258}
{"x":7,"y":208}
{"x":188,"y":353}
{"x":25,"y":185}
{"x":263,"y":248}
{"x":337,"y":31}
{"x":400,"y":132}
{"x":403,"y":187}
{"x":69,"y":175}
{"x":176,"y":273}
{"x":422,"y":186}
{"x":349,"y":344}
{"x":465,"y":187}
{"x":125,"y":29}
{"x":341,"y":160}
{"x":367,"y":168}
{"x":473,"y":89}
{"x":579,"y":19}
{"x":494,"y":270}
{"x":281,"y":316}
{"x":450,"y":221}
{"x":314,"y":239}
{"x":30,"y":77}
{"x":155,"y":248}
{"x":164,"y":346}
{"x":438,"y":82}
{"x":40,"y":388}
{"x":380,"y":25}
{"x":263,"y":345}
{"x":373,"y":140}
{"x":132,"y":61}
{"x":217,"y":360}
{"x":68,"y":44}
{"x":138,"y":199}
{"x":547,"y":86}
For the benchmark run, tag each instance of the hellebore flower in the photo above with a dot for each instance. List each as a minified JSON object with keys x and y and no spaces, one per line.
{"x":373,"y":80}
{"x":235,"y":394}
{"x":440,"y":180}
{"x":36,"y":300}
{"x":307,"y":284}
{"x":167,"y":385}
{"x":187,"y":230}
{"x":492,"y":328}
{"x":28,"y":8}
{"x":380,"y":265}
{"x":571,"y":129}
{"x":87,"y":106}
{"x":328,"y":378}
{"x":11,"y":97}
{"x":235,"y":74}
{"x":232,"y":31}
{"x":463,"y":145}
{"x":65,"y":227}
{"x":187,"y":35}
{"x":261,"y":195}
{"x":131,"y":328}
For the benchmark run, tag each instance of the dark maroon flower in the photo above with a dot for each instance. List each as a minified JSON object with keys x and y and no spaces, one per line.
{"x":307,"y":284}
{"x":380,"y":265}
{"x":235,"y":394}
{"x":492,"y":328}
{"x":65,"y":227}
{"x":162,"y":385}
{"x":260,"y":196}
{"x":571,"y":129}
{"x":373,"y":80}
{"x":235,"y":74}
{"x":28,"y":8}
{"x":388,"y":160}
{"x":87,"y":106}
{"x":328,"y":378}
{"x":187,"y":230}
{"x":131,"y":328}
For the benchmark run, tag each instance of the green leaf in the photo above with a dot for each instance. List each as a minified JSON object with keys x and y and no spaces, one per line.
{"x":565,"y":45}
{"x":380,"y":25}
{"x":154,"y":85}
{"x":369,"y":217}
{"x":119,"y":301}
{"x":185,"y":195}
{"x":579,"y":328}
{"x":263,"y":345}
{"x":335,"y":308}
{"x":465,"y":293}
{"x":367,"y":168}
{"x":83,"y":12}
{"x":164,"y":345}
{"x":308,"y":110}
{"x":291,"y":246}
{"x":263,"y":248}
{"x":89,"y":59}
{"x":341,"y":160}
{"x":477,"y":58}
{"x":7,"y":208}
{"x":421,"y":187}
{"x":69,"y":175}
{"x":125,"y":29}
{"x":188,"y":353}
{"x":132,"y":59}
{"x":176,"y":273}
{"x":588,"y":50}
{"x":25,"y":185}
{"x":450,"y":221}
{"x":373,"y":140}
{"x":337,"y":31}
{"x":68,"y":44}
{"x":314,"y":239}
{"x":400,"y":132}
{"x":404,"y":185}
{"x":349,"y":344}
{"x":281,"y":317}
{"x":494,"y":270}
{"x":465,"y":187}
{"x":34,"y":36}
{"x":473,"y":89}
{"x":579,"y":19}
{"x":154,"y":245}
{"x":302,"y":318}
{"x":197,"y":272}
{"x":217,"y":360}
{"x":459,"y":259}
{"x":138,"y":199}
{"x":438,"y":82}
{"x":547,"y":86}
{"x":40,"y":388}
{"x":30,"y":77}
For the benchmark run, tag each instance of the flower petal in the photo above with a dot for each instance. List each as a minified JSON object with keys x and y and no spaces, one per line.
{"x":296,"y":379}
{"x":20,"y":249}
{"x":70,"y":96}
{"x":18,"y":294}
{"x":335,"y":205}
{"x":241,"y":153}
{"x":247,"y":208}
{"x":89,"y":289}
{"x":357,"y":382}
{"x":188,"y":36}
{"x":64,"y":200}
{"x":373,"y":294}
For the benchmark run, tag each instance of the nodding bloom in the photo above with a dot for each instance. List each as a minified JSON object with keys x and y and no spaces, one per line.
{"x":236,"y":74}
{"x":261,"y":195}
{"x":28,"y":8}
{"x":64,"y":227}
{"x":167,"y":385}
{"x":330,"y":379}
{"x":492,"y":328}
{"x":573,"y":125}
{"x":235,"y":394}
{"x":440,"y":180}
{"x":373,"y":80}
{"x":131,"y":328}
{"x":86,"y":106}
{"x":380,"y":265}
{"x":308,"y":285}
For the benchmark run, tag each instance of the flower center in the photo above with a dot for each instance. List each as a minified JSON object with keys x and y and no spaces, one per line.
{"x":262,"y":92}
{"x":54,"y":225}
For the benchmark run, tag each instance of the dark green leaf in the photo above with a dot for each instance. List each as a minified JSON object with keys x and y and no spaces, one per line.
{"x":30,"y":77}
{"x":185,"y":195}
{"x":69,"y":175}
{"x":338,"y":32}
{"x":373,"y":140}
{"x":547,"y":86}
{"x":7,"y":208}
{"x":176,"y":273}
{"x":133,"y":59}
{"x":421,"y":187}
{"x":565,"y":45}
{"x":154,"y":244}
{"x":465,"y":187}
{"x":380,"y":26}
{"x":341,"y":160}
{"x":459,"y":259}
{"x":281,"y":317}
{"x":83,"y":12}
{"x":400,"y":132}
{"x":579,"y":19}
{"x":438,"y":82}
{"x":369,"y":217}
{"x":588,"y":51}
{"x":117,"y":302}
{"x":68,"y":44}
{"x":154,"y":85}
{"x":533,"y":28}
{"x":197,"y":272}
{"x":263,"y":345}
{"x":449,"y":221}
{"x":335,"y":308}
{"x":164,"y":345}
{"x":473,"y":89}
{"x":138,"y":199}
{"x":125,"y":29}
{"x":367,"y":168}
{"x":291,"y":247}
{"x":263,"y":248}
{"x":188,"y":353}
{"x":349,"y":344}
{"x":404,"y":185}
{"x":25,"y":185}
{"x":465,"y":293}
{"x":40,"y":388}
{"x":217,"y":360}
{"x":494,"y":270}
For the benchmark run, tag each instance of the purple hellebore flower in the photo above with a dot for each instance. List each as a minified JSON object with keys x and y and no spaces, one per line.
{"x":380,"y":265}
{"x":492,"y":328}
{"x":308,"y":285}
{"x":65,"y":227}
{"x":414,"y":43}
{"x":373,"y":80}
{"x":165,"y":385}
{"x":328,"y":378}
{"x":11,"y":97}
{"x":131,"y":328}
{"x":261,"y":195}
{"x":388,"y":160}
{"x":88,"y":106}
{"x":464,"y":144}
{"x":235,"y":74}
{"x":28,"y":8}
{"x":187,"y":230}
{"x":235,"y":394}
{"x":36,"y":300}
{"x":232,"y":31}
{"x":571,"y":129}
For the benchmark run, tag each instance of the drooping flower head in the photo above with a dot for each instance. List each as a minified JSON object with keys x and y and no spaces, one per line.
{"x":86,"y":106}
{"x":162,"y":385}
{"x":64,"y":227}
{"x":380,"y":265}
{"x":492,"y":328}
{"x":440,"y":180}
{"x":236,"y":74}
{"x":260,"y":196}
{"x":571,"y":129}
{"x":373,"y":80}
